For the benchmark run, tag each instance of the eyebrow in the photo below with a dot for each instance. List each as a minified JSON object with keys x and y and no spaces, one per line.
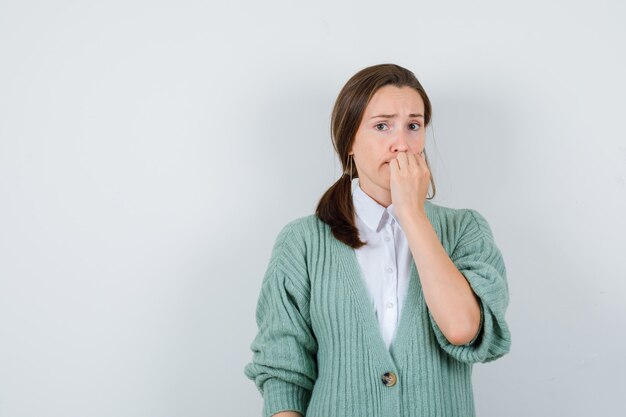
{"x":391,"y":116}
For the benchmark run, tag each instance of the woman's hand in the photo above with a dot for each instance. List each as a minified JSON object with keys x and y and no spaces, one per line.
{"x":410,"y":178}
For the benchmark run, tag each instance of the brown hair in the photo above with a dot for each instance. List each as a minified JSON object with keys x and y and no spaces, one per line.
{"x":335,"y":207}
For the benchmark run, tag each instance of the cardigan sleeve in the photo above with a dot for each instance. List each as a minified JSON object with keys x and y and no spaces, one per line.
{"x":478,"y":258}
{"x":284,"y":361}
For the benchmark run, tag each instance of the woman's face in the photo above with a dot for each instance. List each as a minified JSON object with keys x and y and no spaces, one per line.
{"x":392,"y":122}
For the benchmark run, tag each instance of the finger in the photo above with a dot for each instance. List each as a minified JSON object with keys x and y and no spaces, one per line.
{"x":410,"y":161}
{"x":401,"y":157}
{"x":393,"y":166}
{"x":419,"y":157}
{"x":423,"y":161}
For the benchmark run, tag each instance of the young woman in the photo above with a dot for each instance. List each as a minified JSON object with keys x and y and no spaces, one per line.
{"x":380,"y":302}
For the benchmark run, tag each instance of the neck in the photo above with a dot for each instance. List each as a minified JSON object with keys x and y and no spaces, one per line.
{"x":379,"y":194}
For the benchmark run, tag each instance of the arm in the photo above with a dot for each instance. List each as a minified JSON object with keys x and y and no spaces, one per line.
{"x":466,"y":293}
{"x":284,"y":362}
{"x":448,"y":295}
{"x":480,"y":261}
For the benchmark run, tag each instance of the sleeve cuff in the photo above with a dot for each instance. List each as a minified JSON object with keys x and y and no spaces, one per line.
{"x":480,"y":326}
{"x":279,"y":395}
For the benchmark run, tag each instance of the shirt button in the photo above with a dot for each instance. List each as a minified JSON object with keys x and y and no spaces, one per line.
{"x":389,"y":379}
{"x":387,"y":238}
{"x":389,"y":305}
{"x":389,"y":269}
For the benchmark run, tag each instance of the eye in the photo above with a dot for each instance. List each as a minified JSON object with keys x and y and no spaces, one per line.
{"x":379,"y":124}
{"x":415,"y":124}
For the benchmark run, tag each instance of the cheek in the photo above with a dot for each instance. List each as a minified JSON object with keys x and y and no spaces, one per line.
{"x":418,"y":141}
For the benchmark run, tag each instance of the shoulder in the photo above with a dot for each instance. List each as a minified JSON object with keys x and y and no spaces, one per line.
{"x":458,"y":221}
{"x":304,"y":224}
{"x":297,"y":241}
{"x":301,"y":230}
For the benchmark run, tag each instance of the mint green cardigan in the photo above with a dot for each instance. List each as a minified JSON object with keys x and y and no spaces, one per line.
{"x":319,"y":350}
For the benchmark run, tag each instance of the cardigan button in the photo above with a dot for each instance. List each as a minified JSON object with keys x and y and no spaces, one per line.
{"x":389,"y":379}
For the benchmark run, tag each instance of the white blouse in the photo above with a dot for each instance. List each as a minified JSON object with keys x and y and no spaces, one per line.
{"x":385,"y":261}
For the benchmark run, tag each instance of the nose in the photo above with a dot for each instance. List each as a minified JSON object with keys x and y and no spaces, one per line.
{"x":401,"y":143}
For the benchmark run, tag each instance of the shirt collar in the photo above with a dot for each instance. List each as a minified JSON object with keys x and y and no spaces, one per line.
{"x":373,"y":214}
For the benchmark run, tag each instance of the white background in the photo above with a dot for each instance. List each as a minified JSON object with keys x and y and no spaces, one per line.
{"x":150,"y":151}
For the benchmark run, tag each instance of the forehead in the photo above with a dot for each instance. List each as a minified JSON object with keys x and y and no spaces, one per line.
{"x":390,"y":98}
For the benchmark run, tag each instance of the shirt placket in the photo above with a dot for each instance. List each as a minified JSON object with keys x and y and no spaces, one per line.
{"x":390,"y":280}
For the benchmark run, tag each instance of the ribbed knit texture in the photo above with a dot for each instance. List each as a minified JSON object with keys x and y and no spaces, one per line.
{"x":319,"y":351}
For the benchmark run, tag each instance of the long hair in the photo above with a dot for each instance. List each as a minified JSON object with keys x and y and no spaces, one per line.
{"x":335,"y":207}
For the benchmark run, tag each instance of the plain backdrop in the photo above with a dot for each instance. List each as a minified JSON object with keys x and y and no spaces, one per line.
{"x":150,"y":151}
